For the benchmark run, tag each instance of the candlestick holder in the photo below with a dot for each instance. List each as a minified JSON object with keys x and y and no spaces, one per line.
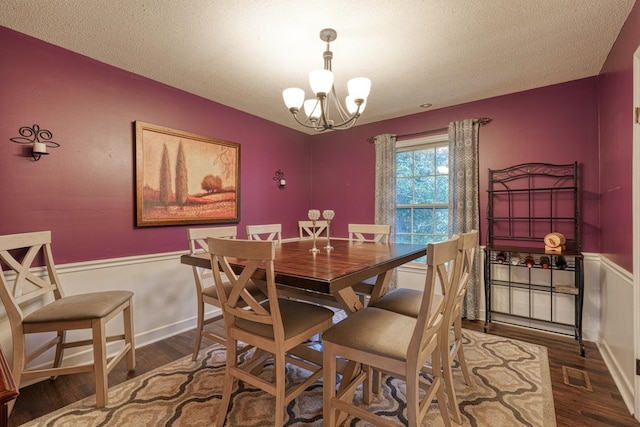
{"x":314,"y":215}
{"x":328,"y":215}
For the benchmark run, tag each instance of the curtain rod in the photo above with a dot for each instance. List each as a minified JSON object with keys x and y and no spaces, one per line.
{"x":481,"y":121}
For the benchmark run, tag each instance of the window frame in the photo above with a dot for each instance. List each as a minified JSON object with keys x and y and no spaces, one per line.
{"x":439,"y":139}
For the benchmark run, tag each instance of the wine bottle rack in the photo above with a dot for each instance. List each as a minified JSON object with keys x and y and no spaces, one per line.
{"x":526,"y":202}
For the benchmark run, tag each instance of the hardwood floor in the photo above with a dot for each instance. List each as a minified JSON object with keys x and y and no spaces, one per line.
{"x":574,"y":407}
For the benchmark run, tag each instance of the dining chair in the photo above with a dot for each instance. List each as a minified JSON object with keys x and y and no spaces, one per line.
{"x":274,"y":326}
{"x":265,"y":232}
{"x":306,"y":229}
{"x":206,"y":293}
{"x":369,"y":232}
{"x":391,"y":342}
{"x":407,"y":301}
{"x":26,"y":285}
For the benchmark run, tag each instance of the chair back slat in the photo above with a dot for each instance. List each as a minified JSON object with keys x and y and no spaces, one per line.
{"x":198,"y":244}
{"x":240,"y":303}
{"x":267,"y":232}
{"x":467,"y":248}
{"x":23,"y":281}
{"x":198,"y":236}
{"x":442,"y":267}
{"x":369,"y":232}
{"x":307,"y":231}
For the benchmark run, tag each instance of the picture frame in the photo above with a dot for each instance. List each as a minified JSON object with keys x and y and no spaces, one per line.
{"x":185,"y":178}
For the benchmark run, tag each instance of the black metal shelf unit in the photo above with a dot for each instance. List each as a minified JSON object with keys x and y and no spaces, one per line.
{"x":524,"y":284}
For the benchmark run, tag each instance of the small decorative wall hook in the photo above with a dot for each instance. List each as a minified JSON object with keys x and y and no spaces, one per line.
{"x":280,"y":178}
{"x":40,"y":139}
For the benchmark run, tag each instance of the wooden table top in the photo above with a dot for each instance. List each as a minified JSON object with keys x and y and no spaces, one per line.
{"x":347,"y":264}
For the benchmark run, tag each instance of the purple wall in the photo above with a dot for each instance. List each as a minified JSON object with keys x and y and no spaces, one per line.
{"x":555,"y":124}
{"x":84,"y":192}
{"x":616,"y":144}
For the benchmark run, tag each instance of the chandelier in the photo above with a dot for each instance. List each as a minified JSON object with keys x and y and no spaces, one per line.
{"x":319,"y":110}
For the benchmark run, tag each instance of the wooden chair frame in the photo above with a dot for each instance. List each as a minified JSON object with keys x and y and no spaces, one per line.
{"x":452,"y":325}
{"x":380,"y":233}
{"x":265,"y":232}
{"x":206,"y":293}
{"x":369,"y":232}
{"x":31,"y":286}
{"x":306,"y":230}
{"x":426,"y":341}
{"x":467,"y":248}
{"x":274,"y":326}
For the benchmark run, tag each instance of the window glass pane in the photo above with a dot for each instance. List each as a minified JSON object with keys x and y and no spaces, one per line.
{"x":422,"y":238}
{"x":423,"y":220}
{"x":403,"y":238}
{"x":442,"y":222}
{"x":442,"y":156}
{"x":404,"y":191}
{"x":422,"y":192}
{"x":424,"y":162}
{"x":404,"y":163}
{"x":442,"y":189}
{"x":403,"y":221}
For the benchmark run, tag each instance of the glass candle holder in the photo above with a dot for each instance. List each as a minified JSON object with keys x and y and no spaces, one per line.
{"x":314,"y":215}
{"x":328,"y":215}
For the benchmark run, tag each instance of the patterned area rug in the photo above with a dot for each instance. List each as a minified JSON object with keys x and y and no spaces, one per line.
{"x":510,"y":387}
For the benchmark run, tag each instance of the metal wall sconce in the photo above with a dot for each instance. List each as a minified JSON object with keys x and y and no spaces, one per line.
{"x":40,"y":140}
{"x":280,"y":178}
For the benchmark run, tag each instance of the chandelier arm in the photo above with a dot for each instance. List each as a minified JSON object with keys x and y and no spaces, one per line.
{"x":339,"y":108}
{"x":314,"y":127}
{"x":348,"y":122}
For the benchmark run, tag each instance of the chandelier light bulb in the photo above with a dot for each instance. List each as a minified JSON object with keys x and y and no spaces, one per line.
{"x":359,"y":87}
{"x":352,"y":106}
{"x":321,"y":81}
{"x":293,"y":97}
{"x":312,"y":109}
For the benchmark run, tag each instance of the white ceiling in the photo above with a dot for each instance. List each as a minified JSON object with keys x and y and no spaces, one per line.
{"x":243,"y":53}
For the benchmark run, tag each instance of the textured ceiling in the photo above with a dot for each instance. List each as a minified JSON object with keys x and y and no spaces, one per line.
{"x":243,"y":53}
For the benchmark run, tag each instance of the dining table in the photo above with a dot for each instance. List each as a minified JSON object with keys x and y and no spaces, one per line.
{"x":330,"y":274}
{"x":337,"y":272}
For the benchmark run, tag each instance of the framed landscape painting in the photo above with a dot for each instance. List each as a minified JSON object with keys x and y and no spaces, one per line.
{"x":184,"y":178}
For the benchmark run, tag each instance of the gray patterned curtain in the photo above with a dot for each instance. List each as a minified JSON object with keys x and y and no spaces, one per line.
{"x":385,"y":200}
{"x":464,"y":208}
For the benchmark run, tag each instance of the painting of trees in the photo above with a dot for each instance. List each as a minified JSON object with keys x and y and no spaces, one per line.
{"x":182,"y":184}
{"x":212,"y":184}
{"x":184,"y":178}
{"x":165,"y":178}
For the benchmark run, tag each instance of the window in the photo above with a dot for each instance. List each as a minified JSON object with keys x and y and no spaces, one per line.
{"x":422,"y":190}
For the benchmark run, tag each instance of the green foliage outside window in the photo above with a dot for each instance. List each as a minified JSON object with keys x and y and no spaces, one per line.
{"x":422,"y":194}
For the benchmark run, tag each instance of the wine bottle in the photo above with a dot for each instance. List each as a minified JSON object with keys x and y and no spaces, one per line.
{"x":529,"y":261}
{"x":501,"y":257}
{"x":544,"y":262}
{"x":515,"y":259}
{"x":561,"y":263}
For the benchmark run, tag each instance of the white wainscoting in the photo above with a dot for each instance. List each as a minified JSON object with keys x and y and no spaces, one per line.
{"x":616,"y":341}
{"x":164,"y":304}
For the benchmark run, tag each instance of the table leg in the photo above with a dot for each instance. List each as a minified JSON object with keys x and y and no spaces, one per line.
{"x":382,"y":285}
{"x":349,"y":300}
